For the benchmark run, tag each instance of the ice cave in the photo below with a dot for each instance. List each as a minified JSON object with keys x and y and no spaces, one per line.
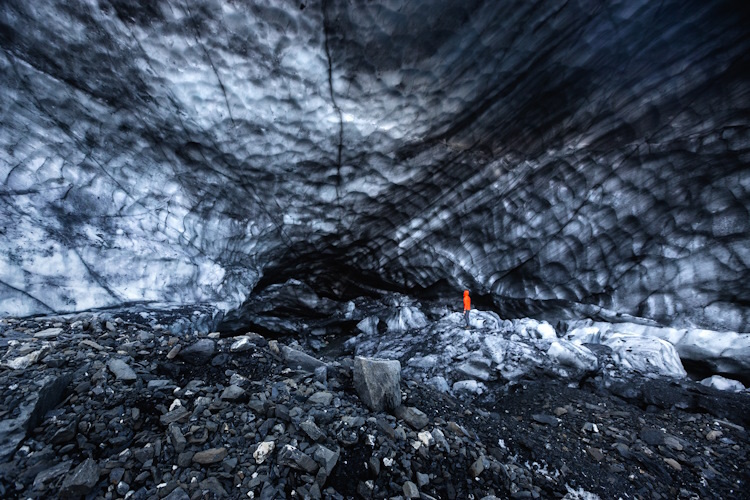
{"x":235,"y":235}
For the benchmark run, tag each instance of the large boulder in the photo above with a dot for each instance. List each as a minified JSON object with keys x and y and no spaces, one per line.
{"x":377,"y":382}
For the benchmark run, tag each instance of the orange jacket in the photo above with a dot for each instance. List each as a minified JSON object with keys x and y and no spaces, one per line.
{"x":467,"y":301}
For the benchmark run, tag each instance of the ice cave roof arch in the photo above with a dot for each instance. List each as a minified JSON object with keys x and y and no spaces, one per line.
{"x":588,"y":152}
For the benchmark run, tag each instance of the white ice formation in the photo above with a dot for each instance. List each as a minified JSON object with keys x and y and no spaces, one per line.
{"x":545,"y":154}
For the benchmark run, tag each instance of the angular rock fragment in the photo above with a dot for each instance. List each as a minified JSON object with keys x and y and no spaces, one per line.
{"x":545,"y":419}
{"x":476,"y":368}
{"x":595,"y":453}
{"x":65,"y":434}
{"x":416,"y":418}
{"x":213,"y":487}
{"x":377,"y":382}
{"x":410,"y":490}
{"x":176,"y":415}
{"x":326,"y":458}
{"x":177,"y":438}
{"x":574,"y":355}
{"x":262,"y":451}
{"x":293,"y":457}
{"x":82,"y":480}
{"x":247,"y":342}
{"x":477,"y":467}
{"x":198,"y":353}
{"x":232,"y":393}
{"x":652,"y":437}
{"x":52,"y":473}
{"x":29,"y":413}
{"x":27,"y":360}
{"x":177,"y":494}
{"x":48,"y":333}
{"x":121,"y":370}
{"x":312,"y":430}
{"x":210,"y":456}
{"x":298,"y":359}
{"x":321,"y":398}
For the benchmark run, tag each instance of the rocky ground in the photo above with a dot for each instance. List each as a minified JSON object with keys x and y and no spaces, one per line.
{"x":120,"y":406}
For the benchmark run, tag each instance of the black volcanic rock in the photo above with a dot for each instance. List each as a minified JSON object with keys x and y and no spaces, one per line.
{"x":173,"y":435}
{"x":539,"y":153}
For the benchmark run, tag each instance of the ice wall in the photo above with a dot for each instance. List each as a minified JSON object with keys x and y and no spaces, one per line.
{"x":577,"y":151}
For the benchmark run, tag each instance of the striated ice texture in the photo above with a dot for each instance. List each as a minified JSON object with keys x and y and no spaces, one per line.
{"x":539,"y":153}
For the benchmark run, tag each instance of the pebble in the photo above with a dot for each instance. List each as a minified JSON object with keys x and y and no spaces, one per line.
{"x":199,"y":352}
{"x":178,"y":414}
{"x":673,"y":463}
{"x":48,"y":333}
{"x":321,"y":398}
{"x":232,"y":393}
{"x":673,"y":443}
{"x":595,"y":453}
{"x":545,"y":419}
{"x":410,"y":490}
{"x":560,"y":411}
{"x":92,"y":344}
{"x":416,"y":418}
{"x":210,"y":456}
{"x":714,"y":435}
{"x":262,"y":451}
{"x":293,"y":457}
{"x":174,"y":351}
{"x":122,"y":370}
{"x":653,"y":437}
{"x":590,"y":427}
{"x":312,"y":430}
{"x":477,"y":467}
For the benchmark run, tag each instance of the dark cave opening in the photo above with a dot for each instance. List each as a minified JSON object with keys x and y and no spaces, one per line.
{"x":698,"y":370}
{"x":319,"y":287}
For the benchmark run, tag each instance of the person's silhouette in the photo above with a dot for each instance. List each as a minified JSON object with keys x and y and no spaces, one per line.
{"x":467,"y":307}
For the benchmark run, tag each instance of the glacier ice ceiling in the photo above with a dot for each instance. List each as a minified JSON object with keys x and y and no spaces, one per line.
{"x":553,"y":152}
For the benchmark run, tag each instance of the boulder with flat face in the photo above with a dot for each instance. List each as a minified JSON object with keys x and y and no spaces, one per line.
{"x":377,"y":382}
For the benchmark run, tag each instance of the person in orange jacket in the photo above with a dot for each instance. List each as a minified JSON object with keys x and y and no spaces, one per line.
{"x":467,"y":307}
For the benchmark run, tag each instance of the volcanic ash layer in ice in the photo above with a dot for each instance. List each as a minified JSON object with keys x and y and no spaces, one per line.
{"x":583,"y":152}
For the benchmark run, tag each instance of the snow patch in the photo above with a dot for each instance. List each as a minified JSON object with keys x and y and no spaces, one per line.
{"x":723,"y":384}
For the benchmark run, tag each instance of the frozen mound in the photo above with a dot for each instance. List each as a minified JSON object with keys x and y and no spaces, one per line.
{"x":723,"y":383}
{"x":450,"y":357}
{"x":721,"y":351}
